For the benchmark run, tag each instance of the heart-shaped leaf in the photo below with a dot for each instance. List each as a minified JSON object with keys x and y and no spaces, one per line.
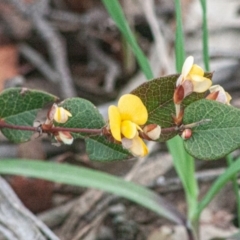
{"x":86,"y":115}
{"x":19,"y":106}
{"x":216,"y":138}
{"x":157,"y":96}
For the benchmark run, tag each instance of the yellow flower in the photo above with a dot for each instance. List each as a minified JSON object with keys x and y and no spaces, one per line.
{"x":61,"y":115}
{"x":217,"y":93}
{"x":191,"y":80}
{"x":125,"y":121}
{"x":195,"y":74}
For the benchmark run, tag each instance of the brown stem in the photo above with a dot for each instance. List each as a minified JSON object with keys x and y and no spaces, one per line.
{"x":24,"y":128}
{"x":50,"y":130}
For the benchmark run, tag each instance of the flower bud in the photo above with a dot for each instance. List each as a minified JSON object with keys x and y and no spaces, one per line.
{"x":153,"y":131}
{"x":186,"y":134}
{"x":217,"y":93}
{"x":64,"y":137}
{"x":178,"y":95}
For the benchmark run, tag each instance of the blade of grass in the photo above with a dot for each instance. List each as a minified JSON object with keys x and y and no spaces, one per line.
{"x":79,"y":176}
{"x":185,"y":168}
{"x":218,"y":185}
{"x":179,"y":38}
{"x":205,"y":35}
{"x":183,"y":162}
{"x":115,"y":10}
{"x":230,"y":161}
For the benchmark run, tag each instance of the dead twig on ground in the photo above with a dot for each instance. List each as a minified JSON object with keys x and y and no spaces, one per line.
{"x":35,"y":12}
{"x":16,"y":221}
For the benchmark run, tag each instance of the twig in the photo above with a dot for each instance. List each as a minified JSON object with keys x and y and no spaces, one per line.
{"x":18,"y":220}
{"x":39,"y":62}
{"x":113,"y":69}
{"x":161,"y":46}
{"x":34,"y":11}
{"x":133,"y":171}
{"x":58,"y":53}
{"x":167,"y":185}
{"x":51,"y":130}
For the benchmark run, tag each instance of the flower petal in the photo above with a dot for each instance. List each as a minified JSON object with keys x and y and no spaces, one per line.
{"x":51,"y":112}
{"x":179,"y":80}
{"x":61,"y":115}
{"x":196,"y":70}
{"x":132,"y":108}
{"x":115,"y":122}
{"x":128,"y":129}
{"x":187,"y":65}
{"x":64,"y":137}
{"x":153,"y":131}
{"x":136,"y":146}
{"x":223,"y":96}
{"x":200,"y":84}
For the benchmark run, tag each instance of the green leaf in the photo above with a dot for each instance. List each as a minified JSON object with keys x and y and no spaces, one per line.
{"x":114,"y":9}
{"x":157,"y":96}
{"x":216,"y":138}
{"x":99,"y":148}
{"x":218,"y":185}
{"x":19,"y":106}
{"x":86,"y":115}
{"x":79,"y":176}
{"x":185,"y":167}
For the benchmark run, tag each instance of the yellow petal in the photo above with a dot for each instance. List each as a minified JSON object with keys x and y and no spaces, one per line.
{"x":187,"y":66}
{"x":229,"y":98}
{"x":200,"y":84}
{"x":196,"y":70}
{"x":136,"y":146}
{"x":132,"y":108}
{"x":115,"y":122}
{"x":61,"y":115}
{"x":128,"y":129}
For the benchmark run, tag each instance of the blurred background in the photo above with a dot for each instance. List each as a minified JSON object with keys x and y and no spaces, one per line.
{"x":72,"y":48}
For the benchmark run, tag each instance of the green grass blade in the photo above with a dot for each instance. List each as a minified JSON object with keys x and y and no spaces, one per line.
{"x":79,"y":176}
{"x":183,"y":162}
{"x":205,"y":35}
{"x":179,"y":41}
{"x":230,"y":161}
{"x":185,"y":168}
{"x":218,"y":185}
{"x":115,"y":10}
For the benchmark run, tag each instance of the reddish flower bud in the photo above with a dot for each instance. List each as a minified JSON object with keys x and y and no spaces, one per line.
{"x":186,"y":134}
{"x":178,"y":95}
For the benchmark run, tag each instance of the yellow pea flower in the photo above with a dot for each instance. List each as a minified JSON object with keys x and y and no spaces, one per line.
{"x":125,"y":121}
{"x":192,"y":78}
{"x":61,"y":115}
{"x":218,"y":93}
